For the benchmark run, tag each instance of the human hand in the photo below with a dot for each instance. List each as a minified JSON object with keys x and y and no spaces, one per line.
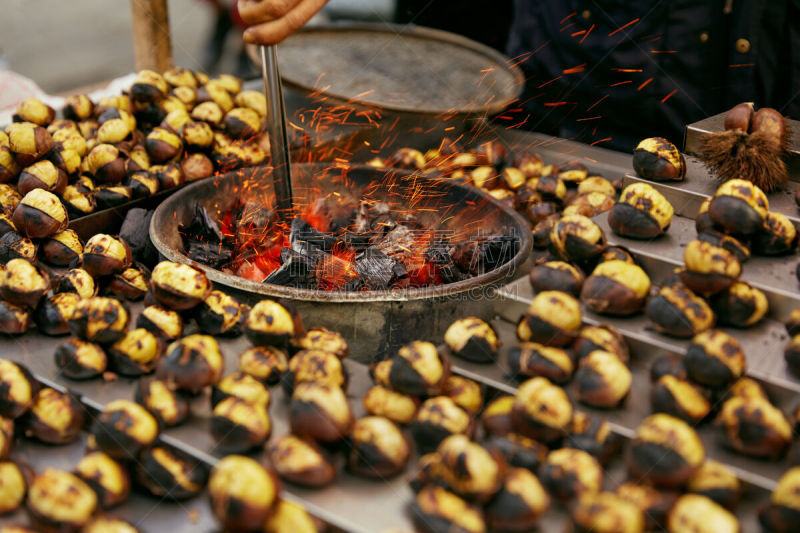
{"x":271,"y":21}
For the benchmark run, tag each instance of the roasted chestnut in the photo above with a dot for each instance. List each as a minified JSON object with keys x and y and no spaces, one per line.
{"x":238,"y":425}
{"x":679,"y":398}
{"x":616,"y":288}
{"x":717,"y":482}
{"x":136,"y":353}
{"x":640,"y":213}
{"x":162,"y":145}
{"x":438,"y":418}
{"x":169,"y":473}
{"x":130,"y":284}
{"x":721,"y":240}
{"x":105,"y":524}
{"x":161,"y":322}
{"x":219,"y":314}
{"x":123,"y":429}
{"x":577,"y":238}
{"x":677,"y":311}
{"x":517,"y":451}
{"x":699,"y":514}
{"x":606,"y":512}
{"x":532,"y":359}
{"x":76,"y":359}
{"x":40,"y":214}
{"x":28,"y":142}
{"x":179,"y":286}
{"x":755,"y":427}
{"x":254,"y":100}
{"x":108,"y":196}
{"x":106,"y":163}
{"x":436,"y":510}
{"x":6,"y":436}
{"x":240,"y":385}
{"x":418,"y":369}
{"x":196,"y":166}
{"x":556,"y":276}
{"x":242,"y":122}
{"x":22,"y":284}
{"x":653,"y":503}
{"x":472,"y":339}
{"x":301,"y":462}
{"x":289,"y":517}
{"x":148,"y":86}
{"x":60,"y":502}
{"x":741,"y":305}
{"x":715,"y":359}
{"x":467,"y":393}
{"x":169,"y":176}
{"x":104,"y":255}
{"x":9,"y":199}
{"x":658,"y":159}
{"x":191,"y":363}
{"x":553,"y":318}
{"x":197,"y":135}
{"x":17,"y":389}
{"x":77,"y":203}
{"x":6,"y":225}
{"x":166,"y":405}
{"x":35,"y":111}
{"x":592,"y":434}
{"x":665,"y":452}
{"x":62,"y":249}
{"x":100,"y":320}
{"x":14,"y":320}
{"x":265,"y":363}
{"x":55,"y":417}
{"x":321,"y":339}
{"x":602,"y":337}
{"x":397,"y":407}
{"x":569,"y":474}
{"x":738,"y":207}
{"x":42,"y":175}
{"x":541,"y":410}
{"x":777,"y":237}
{"x":208,"y":112}
{"x":378,"y":449}
{"x":271,"y":324}
{"x":77,"y":281}
{"x":320,"y":411}
{"x":792,"y":355}
{"x":496,"y":416}
{"x":602,"y":380}
{"x":106,"y":477}
{"x":314,"y":366}
{"x":13,"y":486}
{"x":783,"y":511}
{"x":242,"y":493}
{"x":571,"y":172}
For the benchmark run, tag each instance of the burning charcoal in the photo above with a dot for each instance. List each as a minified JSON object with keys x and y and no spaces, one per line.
{"x":204,"y":241}
{"x":439,"y":255}
{"x":480,"y":253}
{"x":337,"y":273}
{"x":303,"y":231}
{"x":136,"y":232}
{"x":296,"y":270}
{"x":255,"y":215}
{"x":376,"y":270}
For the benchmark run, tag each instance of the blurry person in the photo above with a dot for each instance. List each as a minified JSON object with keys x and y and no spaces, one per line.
{"x":611,"y":72}
{"x":226,"y":19}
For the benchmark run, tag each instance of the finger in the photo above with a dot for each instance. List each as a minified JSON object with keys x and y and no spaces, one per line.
{"x":277,"y":30}
{"x":260,"y":11}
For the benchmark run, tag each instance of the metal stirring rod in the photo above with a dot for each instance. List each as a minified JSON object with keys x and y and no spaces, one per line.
{"x":278,"y":138}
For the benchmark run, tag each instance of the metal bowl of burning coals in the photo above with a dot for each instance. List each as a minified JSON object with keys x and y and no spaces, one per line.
{"x":379,"y":254}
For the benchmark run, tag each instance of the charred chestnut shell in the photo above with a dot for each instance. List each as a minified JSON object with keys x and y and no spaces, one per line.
{"x":379,"y":449}
{"x":569,"y":474}
{"x":592,"y":434}
{"x":55,"y":417}
{"x":717,"y":482}
{"x":541,"y":410}
{"x":679,"y":398}
{"x":191,"y":363}
{"x":169,"y":473}
{"x":77,"y":359}
{"x":14,"y":320}
{"x":467,"y":393}
{"x":677,"y":311}
{"x":738,"y":207}
{"x":553,"y":318}
{"x":243,"y":386}
{"x":532,"y":359}
{"x":793,"y":323}
{"x":601,"y":337}
{"x":18,"y":389}
{"x":517,"y":451}
{"x":397,"y":407}
{"x":436,"y":510}
{"x":468,"y":469}
{"x":6,"y":437}
{"x":100,"y":320}
{"x":438,"y":418}
{"x":418,"y":369}
{"x":665,"y":452}
{"x":40,"y":214}
{"x":62,"y":249}
{"x":301,"y":462}
{"x":319,"y":411}
{"x":472,"y":339}
{"x":124,"y":429}
{"x":60,"y":502}
{"x":106,"y":477}
{"x":606,"y":512}
{"x":22,"y":284}
{"x":777,"y":237}
{"x":130,"y":284}
{"x":496,"y":416}
{"x":792,"y":355}
{"x":714,"y":359}
{"x":104,"y":255}
{"x":238,"y":425}
{"x":321,"y":339}
{"x":42,"y":175}
{"x":721,"y":240}
{"x":179,"y":286}
{"x":136,"y":353}
{"x":161,"y":322}
{"x":602,"y":380}
{"x":242,"y":493}
{"x":271,"y":324}
{"x":657,"y":159}
{"x":265,"y":363}
{"x":741,"y":305}
{"x":556,"y":276}
{"x":653,"y":503}
{"x":755,"y":427}
{"x":641,"y":212}
{"x":167,"y":406}
{"x":15,"y":246}
{"x":709,"y":269}
{"x":616,"y":288}
{"x":783,"y":511}
{"x":219,"y":314}
{"x":577,"y":238}
{"x":693,"y":512}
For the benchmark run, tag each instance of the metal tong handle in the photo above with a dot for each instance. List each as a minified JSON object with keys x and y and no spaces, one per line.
{"x":278,"y":138}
